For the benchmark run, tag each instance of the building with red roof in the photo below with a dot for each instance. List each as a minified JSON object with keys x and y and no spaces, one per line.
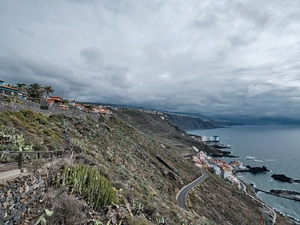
{"x":10,"y":91}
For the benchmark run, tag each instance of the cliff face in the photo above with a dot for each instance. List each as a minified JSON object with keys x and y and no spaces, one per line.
{"x":141,"y":154}
{"x":191,"y":123}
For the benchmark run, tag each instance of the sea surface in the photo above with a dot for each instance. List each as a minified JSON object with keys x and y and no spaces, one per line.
{"x":275,"y":146}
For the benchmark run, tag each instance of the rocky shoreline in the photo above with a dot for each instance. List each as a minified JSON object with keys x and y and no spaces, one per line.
{"x":223,"y":153}
{"x":283,"y":178}
{"x":294,"y":195}
{"x":254,"y":170}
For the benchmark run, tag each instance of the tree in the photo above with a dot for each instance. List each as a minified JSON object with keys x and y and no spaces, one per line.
{"x":35,"y":91}
{"x":12,"y":85}
{"x":22,"y":88}
{"x":48,"y":90}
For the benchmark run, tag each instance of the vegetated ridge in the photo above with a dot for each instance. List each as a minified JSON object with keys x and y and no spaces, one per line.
{"x":141,"y":155}
{"x":191,"y":123}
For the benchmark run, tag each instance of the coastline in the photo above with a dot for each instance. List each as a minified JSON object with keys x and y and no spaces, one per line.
{"x":266,"y":159}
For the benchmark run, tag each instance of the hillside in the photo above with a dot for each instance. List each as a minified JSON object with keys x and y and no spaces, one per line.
{"x":192,"y":122}
{"x":141,"y":155}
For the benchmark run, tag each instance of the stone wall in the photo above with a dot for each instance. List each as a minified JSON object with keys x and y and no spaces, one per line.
{"x":18,"y":196}
{"x":53,"y":109}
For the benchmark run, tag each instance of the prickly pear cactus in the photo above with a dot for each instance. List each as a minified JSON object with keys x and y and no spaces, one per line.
{"x":11,"y":141}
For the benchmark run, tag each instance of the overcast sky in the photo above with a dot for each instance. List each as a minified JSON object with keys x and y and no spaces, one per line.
{"x":211,"y":56}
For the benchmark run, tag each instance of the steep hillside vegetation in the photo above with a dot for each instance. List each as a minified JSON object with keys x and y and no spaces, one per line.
{"x":191,"y":122}
{"x":141,"y":155}
{"x":158,"y":127}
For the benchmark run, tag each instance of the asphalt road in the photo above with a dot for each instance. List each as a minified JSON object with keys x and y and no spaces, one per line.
{"x":268,"y":215}
{"x":184,"y":191}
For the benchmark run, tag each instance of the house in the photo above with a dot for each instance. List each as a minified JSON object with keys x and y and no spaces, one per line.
{"x":65,"y":107}
{"x":78,"y":106}
{"x":54,"y":99}
{"x":58,"y":100}
{"x":10,"y":91}
{"x":101,"y":110}
{"x":72,"y":102}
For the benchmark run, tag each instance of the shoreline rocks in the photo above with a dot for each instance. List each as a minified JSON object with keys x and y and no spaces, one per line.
{"x":283,"y":178}
{"x":254,"y":170}
{"x":293,"y":195}
{"x":226,"y":154}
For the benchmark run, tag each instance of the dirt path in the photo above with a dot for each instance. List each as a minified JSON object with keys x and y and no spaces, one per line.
{"x":11,"y":174}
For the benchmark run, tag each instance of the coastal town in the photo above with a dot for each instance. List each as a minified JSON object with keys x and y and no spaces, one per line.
{"x":220,"y":167}
{"x":227,"y":172}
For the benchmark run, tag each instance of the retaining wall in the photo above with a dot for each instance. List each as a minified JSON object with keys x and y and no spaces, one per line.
{"x":18,"y":196}
{"x":53,"y":109}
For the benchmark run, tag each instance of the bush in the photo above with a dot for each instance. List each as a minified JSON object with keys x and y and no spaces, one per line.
{"x":68,"y":210}
{"x":43,"y":121}
{"x":86,"y":182}
{"x":30,"y":115}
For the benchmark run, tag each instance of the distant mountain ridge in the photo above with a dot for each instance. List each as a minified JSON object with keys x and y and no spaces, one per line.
{"x":190,"y":123}
{"x":262,"y":120}
{"x":191,"y":120}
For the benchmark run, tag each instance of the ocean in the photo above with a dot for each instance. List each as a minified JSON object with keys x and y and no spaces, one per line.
{"x":275,"y":146}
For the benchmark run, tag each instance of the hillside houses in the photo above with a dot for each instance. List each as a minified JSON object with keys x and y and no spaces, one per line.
{"x":101,"y":110}
{"x":10,"y":91}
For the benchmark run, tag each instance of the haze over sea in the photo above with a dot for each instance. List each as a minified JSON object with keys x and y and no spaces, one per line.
{"x":276,"y":147}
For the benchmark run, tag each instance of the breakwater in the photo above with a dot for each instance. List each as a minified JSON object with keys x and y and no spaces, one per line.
{"x":293,"y":195}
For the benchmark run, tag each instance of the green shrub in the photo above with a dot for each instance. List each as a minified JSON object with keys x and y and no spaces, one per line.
{"x":43,"y":121}
{"x":86,"y":182}
{"x":30,"y":115}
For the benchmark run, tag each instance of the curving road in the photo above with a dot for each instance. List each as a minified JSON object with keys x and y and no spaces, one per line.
{"x":184,"y":191}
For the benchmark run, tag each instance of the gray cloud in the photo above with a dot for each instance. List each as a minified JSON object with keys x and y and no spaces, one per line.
{"x":92,"y":56}
{"x":215,"y":57}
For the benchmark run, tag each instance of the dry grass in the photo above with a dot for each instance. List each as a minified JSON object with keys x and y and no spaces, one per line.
{"x":68,"y":210}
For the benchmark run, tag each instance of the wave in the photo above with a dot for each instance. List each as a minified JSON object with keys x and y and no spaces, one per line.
{"x":270,"y":160}
{"x":250,"y":157}
{"x":289,"y":217}
{"x":258,"y":160}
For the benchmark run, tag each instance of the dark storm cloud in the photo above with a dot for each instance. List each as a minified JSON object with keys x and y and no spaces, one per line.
{"x":214,"y":57}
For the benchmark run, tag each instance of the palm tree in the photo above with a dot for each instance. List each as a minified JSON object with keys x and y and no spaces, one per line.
{"x":12,"y":85}
{"x":22,"y":88}
{"x":35,"y":91}
{"x":48,"y":90}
